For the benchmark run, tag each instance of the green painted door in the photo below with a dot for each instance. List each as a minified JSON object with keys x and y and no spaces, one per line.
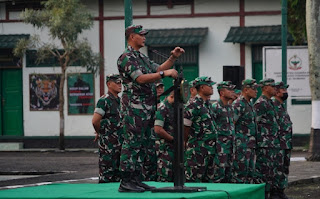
{"x":11,"y":122}
{"x":257,"y":74}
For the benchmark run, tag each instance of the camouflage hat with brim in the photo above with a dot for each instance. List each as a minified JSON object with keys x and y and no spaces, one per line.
{"x":267,"y":82}
{"x":114,"y":77}
{"x":204,"y":80}
{"x":191,"y":84}
{"x":226,"y":84}
{"x":249,"y":83}
{"x":159,"y":83}
{"x":281,"y":85}
{"x":138,"y":29}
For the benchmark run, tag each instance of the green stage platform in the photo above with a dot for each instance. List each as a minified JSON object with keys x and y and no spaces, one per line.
{"x":110,"y":191}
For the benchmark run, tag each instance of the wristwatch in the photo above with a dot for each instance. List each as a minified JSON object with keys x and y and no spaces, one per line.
{"x":161,"y":74}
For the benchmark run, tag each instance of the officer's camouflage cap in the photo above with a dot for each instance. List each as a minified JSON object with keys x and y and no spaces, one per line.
{"x":191,"y":83}
{"x":267,"y":82}
{"x":204,"y":80}
{"x":135,"y":29}
{"x":281,"y":85}
{"x":226,"y":84}
{"x":114,"y":77}
{"x":237,"y":91}
{"x":159,"y":83}
{"x":249,"y":83}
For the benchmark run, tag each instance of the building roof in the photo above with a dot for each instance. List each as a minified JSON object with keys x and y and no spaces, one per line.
{"x":256,"y":34}
{"x":179,"y":36}
{"x":9,"y":41}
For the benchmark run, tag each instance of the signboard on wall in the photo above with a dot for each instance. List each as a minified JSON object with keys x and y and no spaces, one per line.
{"x":80,"y":94}
{"x":44,"y":92}
{"x":297,"y":68}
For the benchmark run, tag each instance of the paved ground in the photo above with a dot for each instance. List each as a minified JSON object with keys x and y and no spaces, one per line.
{"x":29,"y":168}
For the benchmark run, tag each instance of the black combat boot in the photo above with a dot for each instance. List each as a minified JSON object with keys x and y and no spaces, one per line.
{"x":136,"y":176}
{"x":282,"y":194}
{"x":127,"y":184}
{"x":274,"y":194}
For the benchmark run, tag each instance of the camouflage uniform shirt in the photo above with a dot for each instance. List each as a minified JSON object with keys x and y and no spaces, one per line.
{"x":245,"y":124}
{"x":198,"y":114}
{"x":223,"y":116}
{"x":285,"y":125}
{"x":132,"y":64}
{"x":267,"y":123}
{"x":108,"y":107}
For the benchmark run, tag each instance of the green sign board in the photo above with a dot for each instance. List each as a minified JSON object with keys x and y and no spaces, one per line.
{"x":81,"y":94}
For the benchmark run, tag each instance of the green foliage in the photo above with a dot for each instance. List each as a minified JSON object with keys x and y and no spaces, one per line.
{"x":297,"y":21}
{"x":65,"y":21}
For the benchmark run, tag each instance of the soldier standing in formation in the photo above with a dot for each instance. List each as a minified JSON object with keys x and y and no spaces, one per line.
{"x":223,"y":116}
{"x":107,"y":124}
{"x":200,"y":133}
{"x":193,"y":90}
{"x":138,"y":105}
{"x":163,"y":126}
{"x":246,"y":130}
{"x":285,"y":137}
{"x":267,"y":137}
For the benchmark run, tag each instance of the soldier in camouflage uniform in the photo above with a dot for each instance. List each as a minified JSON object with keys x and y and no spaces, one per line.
{"x":246,"y":132}
{"x":285,"y":137}
{"x":268,"y":136}
{"x":163,"y":126}
{"x":107,"y":124}
{"x":193,"y":90}
{"x":223,"y":116}
{"x":138,"y":105}
{"x":200,"y":133}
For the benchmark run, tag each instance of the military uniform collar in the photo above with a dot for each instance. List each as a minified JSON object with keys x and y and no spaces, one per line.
{"x":112,"y":96}
{"x":131,"y":49}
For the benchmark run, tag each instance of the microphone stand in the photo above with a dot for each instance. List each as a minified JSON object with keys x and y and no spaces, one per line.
{"x":180,"y":88}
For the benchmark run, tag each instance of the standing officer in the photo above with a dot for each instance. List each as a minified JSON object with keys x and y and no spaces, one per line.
{"x":163,"y":126}
{"x":285,"y":136}
{"x":138,"y":104}
{"x":223,"y":116}
{"x":200,"y":133}
{"x":267,"y":137}
{"x":107,"y":124}
{"x":246,"y":132}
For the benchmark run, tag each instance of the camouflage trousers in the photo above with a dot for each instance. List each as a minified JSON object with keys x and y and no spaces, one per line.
{"x":136,"y":133}
{"x":165,"y":157}
{"x":149,"y":170}
{"x":269,"y":161}
{"x":199,"y":165}
{"x":244,"y":170}
{"x":282,"y":170}
{"x":109,"y":158}
{"x":223,"y":159}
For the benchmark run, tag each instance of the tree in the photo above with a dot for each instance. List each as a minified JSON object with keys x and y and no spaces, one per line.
{"x":313,"y":32}
{"x":65,"y":21}
{"x":297,"y":21}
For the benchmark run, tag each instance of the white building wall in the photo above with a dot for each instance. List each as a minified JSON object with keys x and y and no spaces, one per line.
{"x":213,"y":53}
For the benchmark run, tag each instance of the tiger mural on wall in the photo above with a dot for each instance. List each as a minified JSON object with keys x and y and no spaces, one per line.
{"x":44,"y":92}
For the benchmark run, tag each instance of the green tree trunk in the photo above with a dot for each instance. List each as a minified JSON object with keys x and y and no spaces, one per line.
{"x":313,"y":34}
